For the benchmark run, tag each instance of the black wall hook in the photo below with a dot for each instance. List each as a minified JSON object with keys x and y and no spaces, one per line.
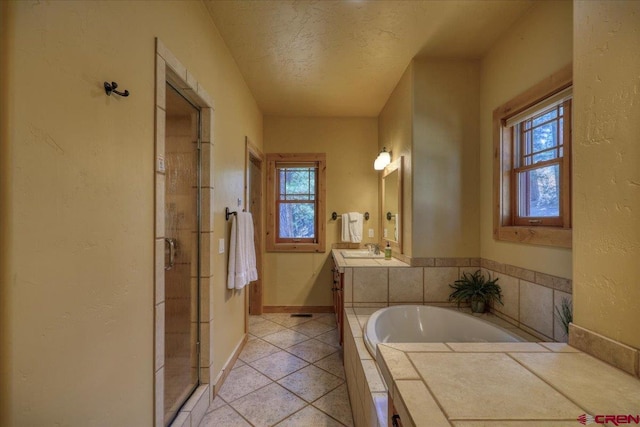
{"x":111,"y":87}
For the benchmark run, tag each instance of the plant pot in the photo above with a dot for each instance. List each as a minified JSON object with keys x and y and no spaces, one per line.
{"x":478,"y":306}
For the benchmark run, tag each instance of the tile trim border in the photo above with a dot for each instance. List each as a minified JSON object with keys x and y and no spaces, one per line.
{"x":539,"y":278}
{"x":606,"y":349}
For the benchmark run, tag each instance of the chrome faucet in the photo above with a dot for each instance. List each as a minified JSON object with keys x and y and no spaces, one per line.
{"x":373,"y":247}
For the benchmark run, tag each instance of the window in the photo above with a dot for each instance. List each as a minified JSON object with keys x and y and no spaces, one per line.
{"x":296,"y":192}
{"x":532,"y":164}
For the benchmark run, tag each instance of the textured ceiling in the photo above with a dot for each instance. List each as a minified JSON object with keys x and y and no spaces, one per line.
{"x":343,"y":58}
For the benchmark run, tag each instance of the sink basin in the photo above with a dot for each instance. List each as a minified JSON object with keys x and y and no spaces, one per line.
{"x":360,"y":253}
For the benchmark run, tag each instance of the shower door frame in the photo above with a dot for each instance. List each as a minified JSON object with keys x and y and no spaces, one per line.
{"x":171,"y":71}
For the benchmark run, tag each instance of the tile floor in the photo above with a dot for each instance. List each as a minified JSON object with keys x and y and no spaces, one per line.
{"x":290,"y":373}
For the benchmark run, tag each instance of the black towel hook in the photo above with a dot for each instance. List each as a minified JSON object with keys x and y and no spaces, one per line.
{"x":111,"y":87}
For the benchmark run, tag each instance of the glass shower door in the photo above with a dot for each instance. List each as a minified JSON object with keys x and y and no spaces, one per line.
{"x":181,"y":352}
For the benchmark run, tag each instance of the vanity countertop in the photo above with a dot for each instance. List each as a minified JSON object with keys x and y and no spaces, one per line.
{"x":504,"y":384}
{"x":342,"y":262}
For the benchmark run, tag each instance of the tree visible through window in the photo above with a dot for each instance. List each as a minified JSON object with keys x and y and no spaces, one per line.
{"x":295,"y":202}
{"x":539,"y":151}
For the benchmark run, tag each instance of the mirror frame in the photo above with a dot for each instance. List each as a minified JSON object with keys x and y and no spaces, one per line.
{"x":396,"y":165}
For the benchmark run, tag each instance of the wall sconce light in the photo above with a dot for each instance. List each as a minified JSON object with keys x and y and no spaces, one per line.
{"x":383,"y":159}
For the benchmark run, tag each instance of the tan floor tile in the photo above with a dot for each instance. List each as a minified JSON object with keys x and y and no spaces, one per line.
{"x":285,"y":319}
{"x":310,"y":417}
{"x":489,"y":386}
{"x":333,"y":364}
{"x":336,"y":404}
{"x":278,"y":365}
{"x":310,"y":383}
{"x":285,"y":338}
{"x":313,"y":328}
{"x":312,"y":350}
{"x":268,"y":406}
{"x":265,"y":328}
{"x":256,"y":349}
{"x":328,"y":320}
{"x":238,"y":364}
{"x":598,"y":387}
{"x":223,"y":416}
{"x":331,"y":337}
{"x":254,"y":320}
{"x":217,"y":403}
{"x":242,"y":381}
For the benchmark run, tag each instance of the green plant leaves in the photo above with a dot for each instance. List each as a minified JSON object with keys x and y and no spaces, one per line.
{"x":475,"y":287}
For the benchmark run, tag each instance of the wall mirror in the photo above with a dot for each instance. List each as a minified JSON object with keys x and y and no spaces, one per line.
{"x":391,"y":215}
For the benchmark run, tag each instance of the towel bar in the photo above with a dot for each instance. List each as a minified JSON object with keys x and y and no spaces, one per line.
{"x":335,"y":216}
{"x":228,"y":213}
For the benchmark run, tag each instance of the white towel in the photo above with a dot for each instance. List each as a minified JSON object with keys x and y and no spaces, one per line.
{"x":346,"y":236}
{"x":242,"y":252}
{"x":355,"y":226}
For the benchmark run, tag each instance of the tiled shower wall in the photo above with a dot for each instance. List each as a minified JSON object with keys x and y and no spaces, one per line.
{"x":529,"y":297}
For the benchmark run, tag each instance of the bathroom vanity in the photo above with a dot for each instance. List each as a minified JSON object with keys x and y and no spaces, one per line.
{"x":371,"y":272}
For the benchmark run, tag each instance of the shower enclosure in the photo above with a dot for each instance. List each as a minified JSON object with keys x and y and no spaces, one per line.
{"x":182,"y":255}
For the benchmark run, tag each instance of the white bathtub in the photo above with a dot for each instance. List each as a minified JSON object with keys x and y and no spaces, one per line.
{"x":423,"y":323}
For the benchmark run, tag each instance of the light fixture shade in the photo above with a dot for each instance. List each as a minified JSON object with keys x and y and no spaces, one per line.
{"x":384,"y":158}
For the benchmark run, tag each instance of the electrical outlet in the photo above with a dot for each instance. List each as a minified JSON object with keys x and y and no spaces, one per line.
{"x":371,"y":232}
{"x":220,"y":246}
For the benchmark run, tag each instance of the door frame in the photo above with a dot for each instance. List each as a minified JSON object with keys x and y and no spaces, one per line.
{"x":254,"y":298}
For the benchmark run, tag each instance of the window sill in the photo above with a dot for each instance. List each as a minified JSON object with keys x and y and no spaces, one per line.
{"x":295,"y":247}
{"x":546,"y":236}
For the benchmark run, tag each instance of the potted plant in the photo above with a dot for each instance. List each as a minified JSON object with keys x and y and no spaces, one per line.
{"x":475,"y":289}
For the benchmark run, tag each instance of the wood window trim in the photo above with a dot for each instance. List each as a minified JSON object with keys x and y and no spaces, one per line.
{"x":503,"y":194}
{"x":271,"y":244}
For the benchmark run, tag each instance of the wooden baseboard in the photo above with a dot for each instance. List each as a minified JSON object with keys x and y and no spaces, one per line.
{"x":222,"y":376}
{"x":297,"y":309}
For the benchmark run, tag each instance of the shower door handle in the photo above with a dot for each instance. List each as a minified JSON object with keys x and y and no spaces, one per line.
{"x":172,"y":252}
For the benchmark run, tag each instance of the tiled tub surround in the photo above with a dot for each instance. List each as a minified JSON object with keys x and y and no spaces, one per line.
{"x":530,"y":298}
{"x":367,"y":390}
{"x":503,"y":384}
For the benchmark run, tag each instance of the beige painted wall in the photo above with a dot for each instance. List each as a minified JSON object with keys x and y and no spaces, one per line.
{"x":78,"y":202}
{"x":606,"y":181}
{"x":539,"y":44}
{"x":395,"y":132}
{"x":445,"y":159}
{"x":352,"y":185}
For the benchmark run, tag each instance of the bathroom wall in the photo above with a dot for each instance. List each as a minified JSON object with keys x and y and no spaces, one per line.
{"x":431,"y":118}
{"x":78,"y":203}
{"x":395,"y":132}
{"x":539,"y":44}
{"x":304,"y":279}
{"x":606,"y":181}
{"x":445,"y":158}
